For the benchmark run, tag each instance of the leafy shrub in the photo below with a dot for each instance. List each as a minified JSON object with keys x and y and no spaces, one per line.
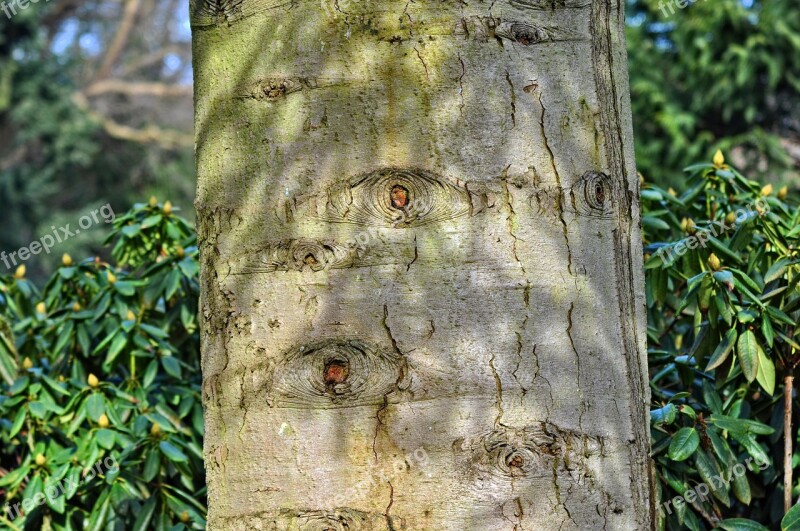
{"x":722,"y":273}
{"x":101,"y":386}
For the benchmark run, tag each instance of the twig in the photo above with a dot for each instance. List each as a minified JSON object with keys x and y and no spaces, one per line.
{"x":788,"y":382}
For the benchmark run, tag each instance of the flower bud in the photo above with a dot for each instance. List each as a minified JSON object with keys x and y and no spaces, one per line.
{"x":66,"y":259}
{"x":92,"y":381}
{"x":153,"y":201}
{"x":766,"y":190}
{"x":103,"y":421}
{"x":167,"y":208}
{"x":783,"y":192}
{"x":719,"y":159}
{"x":41,"y":460}
{"x":41,"y":308}
{"x":20,"y":272}
{"x":27,"y":363}
{"x":713,"y":262}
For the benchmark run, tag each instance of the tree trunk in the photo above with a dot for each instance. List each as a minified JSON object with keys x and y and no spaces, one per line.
{"x":422,"y":278}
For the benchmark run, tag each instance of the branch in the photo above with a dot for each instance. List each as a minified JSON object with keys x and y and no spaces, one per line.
{"x":120,"y":39}
{"x":149,"y":135}
{"x":142,"y":88}
{"x":787,"y":442}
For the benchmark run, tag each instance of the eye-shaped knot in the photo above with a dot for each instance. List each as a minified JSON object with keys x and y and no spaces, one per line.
{"x":294,"y":255}
{"x":514,"y":453}
{"x":401,"y":197}
{"x":522,"y":33}
{"x":593,"y":195}
{"x":341,"y":519}
{"x":336,"y":373}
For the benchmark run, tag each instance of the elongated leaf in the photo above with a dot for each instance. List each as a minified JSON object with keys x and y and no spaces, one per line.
{"x":741,"y":524}
{"x":172,"y":452}
{"x":766,"y":372}
{"x":747,"y":351}
{"x":791,"y":521}
{"x":723,"y":349}
{"x":684,"y":444}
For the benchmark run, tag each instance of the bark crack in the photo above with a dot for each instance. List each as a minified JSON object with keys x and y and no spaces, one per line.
{"x":538,"y":374}
{"x":421,"y":60}
{"x":499,"y":384}
{"x":389,"y":507}
{"x":577,"y":362}
{"x":519,"y":357}
{"x":510,"y":222}
{"x":513,"y":100}
{"x":461,"y":84}
{"x":560,"y":199}
{"x":416,"y":255}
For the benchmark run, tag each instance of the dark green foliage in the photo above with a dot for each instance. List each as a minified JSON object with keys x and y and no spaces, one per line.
{"x":716,"y":73}
{"x":722,"y":272}
{"x":103,"y":366}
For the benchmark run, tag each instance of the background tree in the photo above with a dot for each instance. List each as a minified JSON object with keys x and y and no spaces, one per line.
{"x":717,"y":74}
{"x":88,"y":115}
{"x":422,"y":300}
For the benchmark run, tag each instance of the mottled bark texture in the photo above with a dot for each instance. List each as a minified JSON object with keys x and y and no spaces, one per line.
{"x":422,"y":289}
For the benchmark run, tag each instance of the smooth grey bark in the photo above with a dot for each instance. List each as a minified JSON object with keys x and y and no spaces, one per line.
{"x":421,"y":265}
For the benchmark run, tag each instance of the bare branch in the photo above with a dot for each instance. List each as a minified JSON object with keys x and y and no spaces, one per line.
{"x":137,"y":88}
{"x":120,"y":39}
{"x":151,"y":134}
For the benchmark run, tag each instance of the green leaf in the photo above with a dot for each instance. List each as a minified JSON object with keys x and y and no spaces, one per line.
{"x":747,"y":351}
{"x":766,"y":372}
{"x":151,"y":221}
{"x":95,"y":406}
{"x":664,"y":415}
{"x":172,"y":452}
{"x":709,"y":472}
{"x":777,"y":270}
{"x":125,"y":287}
{"x":172,"y":366}
{"x":737,"y":425}
{"x":791,"y":521}
{"x":711,"y":398}
{"x":654,"y":223}
{"x":684,"y":443}
{"x":154,"y":331}
{"x":105,"y":438}
{"x":740,"y":524}
{"x":766,"y":329}
{"x":152,"y":465}
{"x":145,"y":515}
{"x":725,"y":278}
{"x":741,"y":488}
{"x":150,"y":374}
{"x":38,"y":409}
{"x":723,"y":349}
